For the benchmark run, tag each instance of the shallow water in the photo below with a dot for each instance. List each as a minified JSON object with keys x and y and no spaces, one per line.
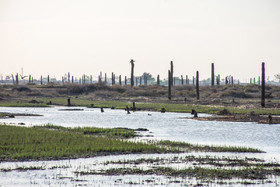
{"x":171,"y":126}
{"x":167,"y":126}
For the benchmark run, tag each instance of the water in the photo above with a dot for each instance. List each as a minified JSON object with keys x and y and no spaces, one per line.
{"x":167,"y":126}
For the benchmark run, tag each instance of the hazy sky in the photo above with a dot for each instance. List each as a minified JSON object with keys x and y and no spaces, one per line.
{"x":88,"y":36}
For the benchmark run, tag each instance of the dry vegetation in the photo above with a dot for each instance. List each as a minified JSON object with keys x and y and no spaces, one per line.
{"x":247,"y":96}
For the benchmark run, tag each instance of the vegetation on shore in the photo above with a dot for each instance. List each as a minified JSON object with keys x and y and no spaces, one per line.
{"x":238,"y":99}
{"x":150,"y":106}
{"x":54,"y":142}
{"x":206,"y":148}
{"x":201,"y":160}
{"x":197,"y":172}
{"x":206,"y":169}
{"x":21,"y":143}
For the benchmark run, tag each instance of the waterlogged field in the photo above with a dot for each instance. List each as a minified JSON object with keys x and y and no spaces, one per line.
{"x":174,"y":151}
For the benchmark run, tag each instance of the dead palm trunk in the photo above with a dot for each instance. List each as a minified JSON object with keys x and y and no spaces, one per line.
{"x":212,"y":75}
{"x":197,"y":85}
{"x":132,"y":72}
{"x":171,"y":73}
{"x":263,"y":86}
{"x":169,"y":84}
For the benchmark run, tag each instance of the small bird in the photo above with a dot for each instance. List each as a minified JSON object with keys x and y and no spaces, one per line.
{"x":23,"y":77}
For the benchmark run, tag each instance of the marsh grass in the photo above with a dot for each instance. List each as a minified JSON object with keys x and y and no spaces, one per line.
{"x":52,"y":142}
{"x":153,"y":106}
{"x":21,"y":144}
{"x":24,"y":168}
{"x":201,"y":160}
{"x":258,"y":173}
{"x":21,"y":103}
{"x":108,"y":132}
{"x":206,"y":148}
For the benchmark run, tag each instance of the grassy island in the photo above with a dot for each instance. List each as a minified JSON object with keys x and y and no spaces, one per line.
{"x":51,"y":142}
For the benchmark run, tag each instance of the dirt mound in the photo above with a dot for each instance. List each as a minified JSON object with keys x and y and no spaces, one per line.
{"x":224,"y":112}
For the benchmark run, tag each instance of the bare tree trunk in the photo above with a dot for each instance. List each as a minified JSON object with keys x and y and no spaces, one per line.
{"x":68,"y":102}
{"x":193,"y":80}
{"x":171,"y":73}
{"x":17,"y":82}
{"x":169,"y":84}
{"x":212,"y":75}
{"x":112,"y":78}
{"x":13,"y":79}
{"x":263,"y":86}
{"x":218,"y":79}
{"x":145,"y":80}
{"x":197,"y":85}
{"x":120,"y":80}
{"x":132,"y":73}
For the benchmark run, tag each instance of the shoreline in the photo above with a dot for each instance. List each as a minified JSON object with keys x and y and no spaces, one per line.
{"x":260,"y":119}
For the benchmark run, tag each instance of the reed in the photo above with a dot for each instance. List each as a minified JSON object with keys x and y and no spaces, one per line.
{"x":109,"y":132}
{"x":206,"y":148}
{"x":21,"y":144}
{"x":197,"y":172}
{"x":151,"y":106}
{"x":51,"y":142}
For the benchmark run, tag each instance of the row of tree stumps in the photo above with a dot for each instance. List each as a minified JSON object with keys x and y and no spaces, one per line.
{"x":171,"y":80}
{"x":228,"y":81}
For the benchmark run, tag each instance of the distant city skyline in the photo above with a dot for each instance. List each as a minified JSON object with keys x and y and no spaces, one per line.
{"x":50,"y":37}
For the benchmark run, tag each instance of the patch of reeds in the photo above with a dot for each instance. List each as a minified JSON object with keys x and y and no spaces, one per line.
{"x":23,"y":168}
{"x":22,"y":104}
{"x":206,"y":148}
{"x":201,"y":160}
{"x":170,"y":107}
{"x":109,"y":132}
{"x":56,"y":142}
{"x":22,"y":143}
{"x":153,"y":106}
{"x":197,"y":172}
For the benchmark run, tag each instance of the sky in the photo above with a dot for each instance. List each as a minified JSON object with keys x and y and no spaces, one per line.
{"x":54,"y":37}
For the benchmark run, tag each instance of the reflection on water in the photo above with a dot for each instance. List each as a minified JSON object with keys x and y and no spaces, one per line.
{"x":168,"y":126}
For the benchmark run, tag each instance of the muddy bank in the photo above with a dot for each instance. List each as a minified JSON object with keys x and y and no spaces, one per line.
{"x":13,"y":115}
{"x":225,"y":115}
